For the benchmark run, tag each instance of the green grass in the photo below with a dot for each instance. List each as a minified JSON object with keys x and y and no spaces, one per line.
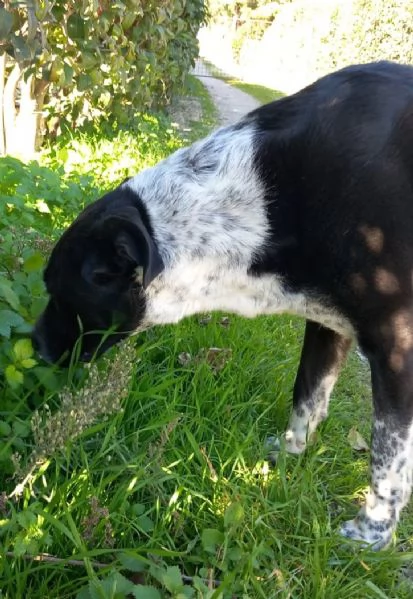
{"x":260,"y":92}
{"x":177,"y":483}
{"x":201,"y":127}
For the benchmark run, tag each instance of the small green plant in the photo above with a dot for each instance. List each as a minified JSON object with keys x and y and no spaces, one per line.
{"x":35,"y":203}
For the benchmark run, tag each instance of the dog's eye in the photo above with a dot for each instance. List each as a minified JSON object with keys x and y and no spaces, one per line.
{"x":103,"y":278}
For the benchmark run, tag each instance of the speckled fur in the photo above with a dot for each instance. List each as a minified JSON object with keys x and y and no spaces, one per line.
{"x":306,"y":417}
{"x":208,"y":213}
{"x":391,"y":484}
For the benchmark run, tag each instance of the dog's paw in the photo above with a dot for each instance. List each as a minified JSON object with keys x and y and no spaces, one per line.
{"x":288,"y":441}
{"x":370,"y":533}
{"x":294,"y":443}
{"x":272,"y":447}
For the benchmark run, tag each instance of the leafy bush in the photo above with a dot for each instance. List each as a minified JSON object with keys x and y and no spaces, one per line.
{"x":310,"y":38}
{"x":85,"y":60}
{"x":37,"y":201}
{"x":367,"y":31}
{"x":113,"y":152}
{"x":252,"y":23}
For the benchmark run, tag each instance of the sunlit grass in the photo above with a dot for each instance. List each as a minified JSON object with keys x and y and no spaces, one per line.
{"x":262,"y":93}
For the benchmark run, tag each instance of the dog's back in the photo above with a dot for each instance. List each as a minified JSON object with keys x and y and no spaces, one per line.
{"x":338,"y":159}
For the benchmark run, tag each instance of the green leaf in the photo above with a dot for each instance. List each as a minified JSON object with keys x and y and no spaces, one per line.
{"x":84,"y":593}
{"x":140,"y":591}
{"x":172,"y":579}
{"x":138,"y":509}
{"x":8,"y":294}
{"x":186,"y":593}
{"x":76,"y":27}
{"x":21,"y":545}
{"x":132,"y":562}
{"x":96,"y":591}
{"x":28,"y":363}
{"x":84,"y":82}
{"x":235,"y":553}
{"x":22,"y":350}
{"x":42,"y":207}
{"x":13,"y":376}
{"x":145,"y":523}
{"x":5,"y":428}
{"x":24,"y":328}
{"x":9,"y":319}
{"x":22,"y":50}
{"x":33,"y":262}
{"x":210,"y":538}
{"x":26,"y":519}
{"x":19,"y":444}
{"x":68,"y":75}
{"x":116,"y":585}
{"x":6,"y":23}
{"x":21,"y":429}
{"x":234,"y":515}
{"x":36,"y":288}
{"x":47,"y":377}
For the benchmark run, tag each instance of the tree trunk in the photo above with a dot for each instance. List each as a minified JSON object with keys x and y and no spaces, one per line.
{"x":40,"y":89}
{"x":2,"y":78}
{"x":22,"y":126}
{"x":29,"y":117}
{"x":9,"y":110}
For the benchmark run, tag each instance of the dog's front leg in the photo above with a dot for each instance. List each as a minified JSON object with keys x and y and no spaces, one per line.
{"x":323,"y":354}
{"x":392,"y":440}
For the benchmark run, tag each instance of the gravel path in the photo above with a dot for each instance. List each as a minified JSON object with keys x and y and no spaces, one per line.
{"x":231,"y":102}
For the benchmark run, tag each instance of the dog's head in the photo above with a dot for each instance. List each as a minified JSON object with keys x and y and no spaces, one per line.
{"x":96,"y":279}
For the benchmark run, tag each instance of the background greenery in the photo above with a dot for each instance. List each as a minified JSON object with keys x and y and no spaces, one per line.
{"x":64,"y":61}
{"x":286,"y":44}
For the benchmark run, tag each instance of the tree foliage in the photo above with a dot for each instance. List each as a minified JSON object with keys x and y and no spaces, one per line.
{"x":88,"y":58}
{"x":297,"y":41}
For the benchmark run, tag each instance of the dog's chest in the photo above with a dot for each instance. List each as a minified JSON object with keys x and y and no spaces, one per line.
{"x":194,"y":287}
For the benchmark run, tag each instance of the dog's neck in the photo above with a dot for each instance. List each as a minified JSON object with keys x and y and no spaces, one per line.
{"x":207,"y":201}
{"x":206,"y":206}
{"x":207,"y":209}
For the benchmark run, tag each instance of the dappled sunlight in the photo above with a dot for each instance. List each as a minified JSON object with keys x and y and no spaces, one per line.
{"x":402,"y":330}
{"x":386,"y":282}
{"x":373,"y":237}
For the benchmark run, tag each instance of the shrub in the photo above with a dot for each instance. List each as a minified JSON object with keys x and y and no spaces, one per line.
{"x":88,"y":59}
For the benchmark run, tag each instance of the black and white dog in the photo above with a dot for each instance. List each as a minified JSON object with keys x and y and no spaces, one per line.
{"x":304,"y":206}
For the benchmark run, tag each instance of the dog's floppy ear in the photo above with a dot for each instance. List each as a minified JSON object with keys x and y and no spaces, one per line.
{"x":130,"y":248}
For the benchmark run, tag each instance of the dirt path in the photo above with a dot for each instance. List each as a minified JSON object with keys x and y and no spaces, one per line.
{"x":231,"y":103}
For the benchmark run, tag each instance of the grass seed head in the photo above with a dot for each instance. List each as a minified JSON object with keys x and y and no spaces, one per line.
{"x":101,"y":395}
